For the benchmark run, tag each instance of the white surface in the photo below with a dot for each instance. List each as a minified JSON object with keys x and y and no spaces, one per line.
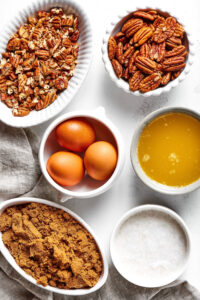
{"x":126,"y":111}
{"x":150,"y":246}
{"x":11,"y":260}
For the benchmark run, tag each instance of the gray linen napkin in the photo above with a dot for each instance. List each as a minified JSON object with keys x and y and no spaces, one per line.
{"x":20,"y":175}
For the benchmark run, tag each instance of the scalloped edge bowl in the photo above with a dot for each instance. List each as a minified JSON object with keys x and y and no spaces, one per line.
{"x":11,"y":260}
{"x":124,"y":84}
{"x":84,"y":59}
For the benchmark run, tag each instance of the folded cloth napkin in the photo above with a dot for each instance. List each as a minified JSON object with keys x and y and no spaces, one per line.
{"x":20,"y":175}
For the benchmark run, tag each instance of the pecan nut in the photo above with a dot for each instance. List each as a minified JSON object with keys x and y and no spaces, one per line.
{"x":150,"y":83}
{"x":142,"y":35}
{"x":132,"y":26}
{"x":112,"y":45}
{"x":135,"y":80}
{"x":146,"y":65}
{"x":173,"y":64}
{"x":117,"y":68}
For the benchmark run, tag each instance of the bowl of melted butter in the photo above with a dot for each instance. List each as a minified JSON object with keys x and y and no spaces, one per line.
{"x":165,"y":150}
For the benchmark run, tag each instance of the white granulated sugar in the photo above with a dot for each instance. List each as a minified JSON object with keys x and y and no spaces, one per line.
{"x":151,"y":247}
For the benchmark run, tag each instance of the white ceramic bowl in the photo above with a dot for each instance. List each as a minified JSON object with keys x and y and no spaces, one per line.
{"x":84,"y":59}
{"x":134,"y":276}
{"x":170,"y":190}
{"x":115,"y":26}
{"x":105,"y":130}
{"x":11,"y":260}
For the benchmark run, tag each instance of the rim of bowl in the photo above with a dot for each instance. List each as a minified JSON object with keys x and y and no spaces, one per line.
{"x":66,"y":96}
{"x":8,"y":256}
{"x":102,"y":118}
{"x":154,"y":185}
{"x":166,"y":211}
{"x":122,"y":83}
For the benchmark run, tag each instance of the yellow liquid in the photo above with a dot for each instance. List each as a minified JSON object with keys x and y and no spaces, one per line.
{"x":169,"y":149}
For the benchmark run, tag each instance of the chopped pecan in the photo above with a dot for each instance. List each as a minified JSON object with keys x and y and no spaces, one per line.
{"x":117,"y":68}
{"x":135,"y":80}
{"x":146,"y":65}
{"x":21,"y":112}
{"x":173,"y":64}
{"x":42,"y":54}
{"x":142,"y":35}
{"x":150,"y":83}
{"x":112,"y":45}
{"x":164,"y":29}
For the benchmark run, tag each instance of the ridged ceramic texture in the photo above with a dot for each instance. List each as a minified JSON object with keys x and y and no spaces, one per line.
{"x":122,"y":83}
{"x":84,"y":58}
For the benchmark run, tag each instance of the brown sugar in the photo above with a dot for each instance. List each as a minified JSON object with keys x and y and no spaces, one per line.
{"x":51,"y":246}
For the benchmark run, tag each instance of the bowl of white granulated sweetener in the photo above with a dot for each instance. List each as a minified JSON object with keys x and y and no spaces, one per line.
{"x":150,"y":246}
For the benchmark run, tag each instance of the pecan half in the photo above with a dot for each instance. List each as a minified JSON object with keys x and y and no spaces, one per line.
{"x":157,"y":51}
{"x":173,"y":64}
{"x":119,"y":52}
{"x":166,"y":78}
{"x":144,"y":50}
{"x":112,"y":45}
{"x":131,"y":64}
{"x":131,"y":26}
{"x":173,"y":42}
{"x":150,"y":83}
{"x":135,"y":80}
{"x":142,"y":35}
{"x":146,"y":65}
{"x":177,"y":51}
{"x":144,"y":15}
{"x":117,"y":68}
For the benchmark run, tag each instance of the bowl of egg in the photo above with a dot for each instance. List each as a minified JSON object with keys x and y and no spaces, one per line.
{"x":165,"y":150}
{"x":81,"y":154}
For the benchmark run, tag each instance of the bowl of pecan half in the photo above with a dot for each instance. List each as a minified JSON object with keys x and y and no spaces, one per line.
{"x":45,"y":56}
{"x":147,"y":51}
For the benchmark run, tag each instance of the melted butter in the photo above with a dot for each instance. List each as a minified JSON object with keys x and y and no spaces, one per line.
{"x":169,"y":149}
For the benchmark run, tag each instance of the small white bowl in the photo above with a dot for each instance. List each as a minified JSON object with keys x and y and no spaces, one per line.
{"x":106,"y":131}
{"x":11,"y":260}
{"x":135,"y":279}
{"x":115,"y":26}
{"x":164,"y":189}
{"x":84,"y":59}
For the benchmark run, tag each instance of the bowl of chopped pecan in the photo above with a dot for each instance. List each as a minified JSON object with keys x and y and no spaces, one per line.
{"x":147,"y":51}
{"x":45,"y":55}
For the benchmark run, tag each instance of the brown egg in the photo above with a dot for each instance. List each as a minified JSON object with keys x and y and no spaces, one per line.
{"x":65,"y":168}
{"x":100,"y":160}
{"x":75,"y":134}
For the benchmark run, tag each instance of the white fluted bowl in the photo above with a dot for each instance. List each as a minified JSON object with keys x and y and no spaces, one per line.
{"x":115,"y":26}
{"x":84,"y":58}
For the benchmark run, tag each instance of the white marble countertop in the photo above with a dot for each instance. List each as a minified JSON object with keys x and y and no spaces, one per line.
{"x":126,"y":111}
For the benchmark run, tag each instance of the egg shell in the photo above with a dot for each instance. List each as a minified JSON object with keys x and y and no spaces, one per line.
{"x":65,"y":168}
{"x":75,"y":134}
{"x":100,"y":160}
